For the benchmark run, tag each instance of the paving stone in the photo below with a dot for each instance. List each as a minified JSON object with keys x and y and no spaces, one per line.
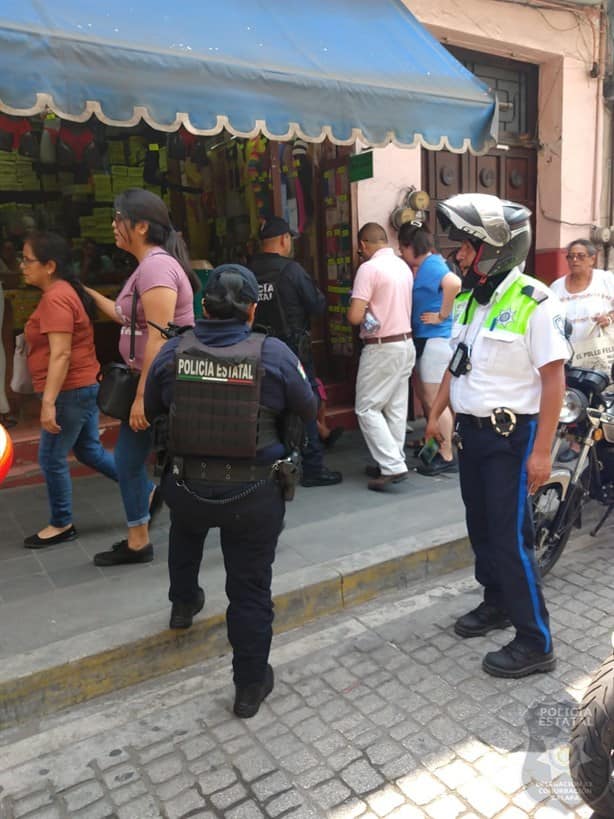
{"x":82,"y":795}
{"x":421,"y":787}
{"x":118,"y":776}
{"x":164,"y":768}
{"x":406,"y":812}
{"x":513,"y":813}
{"x":254,"y":764}
{"x":446,"y":807}
{"x":43,"y":812}
{"x":129,"y":792}
{"x":311,"y":729}
{"x":455,"y":773}
{"x":270,"y":786}
{"x":225,"y":799}
{"x":29,"y":803}
{"x":299,"y":762}
{"x":216,"y":780}
{"x":246,"y":810}
{"x":184,"y":804}
{"x":97,"y":810}
{"x":385,"y":800}
{"x":173,"y":787}
{"x":330,"y":794}
{"x":382,"y":751}
{"x":482,"y":796}
{"x":283,"y":803}
{"x":361,"y":777}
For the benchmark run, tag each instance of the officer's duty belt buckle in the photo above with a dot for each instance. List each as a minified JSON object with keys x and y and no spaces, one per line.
{"x":504,"y":421}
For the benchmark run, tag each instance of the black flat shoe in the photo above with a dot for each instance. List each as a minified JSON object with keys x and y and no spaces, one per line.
{"x":333,"y":437}
{"x":249,"y":697}
{"x":120,"y":553}
{"x":36,"y":542}
{"x":182,"y":613}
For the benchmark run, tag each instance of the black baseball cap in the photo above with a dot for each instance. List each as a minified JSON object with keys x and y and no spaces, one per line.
{"x":232,"y":282}
{"x":275,"y":226}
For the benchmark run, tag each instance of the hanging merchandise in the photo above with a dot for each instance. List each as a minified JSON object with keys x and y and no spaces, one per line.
{"x":303,"y":183}
{"x":16,"y":135}
{"x":258,"y":174}
{"x":49,"y":138}
{"x":76,"y":146}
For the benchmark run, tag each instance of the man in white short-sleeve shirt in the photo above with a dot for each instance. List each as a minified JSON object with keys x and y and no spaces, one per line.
{"x":381,"y":304}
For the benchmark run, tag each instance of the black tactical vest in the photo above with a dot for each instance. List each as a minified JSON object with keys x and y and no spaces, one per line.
{"x":216,"y":408}
{"x":270,"y":312}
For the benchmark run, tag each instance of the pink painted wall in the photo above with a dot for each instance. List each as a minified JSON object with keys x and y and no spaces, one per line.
{"x":573,"y":123}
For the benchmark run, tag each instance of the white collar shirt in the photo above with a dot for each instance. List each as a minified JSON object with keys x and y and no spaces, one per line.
{"x":505,"y":365}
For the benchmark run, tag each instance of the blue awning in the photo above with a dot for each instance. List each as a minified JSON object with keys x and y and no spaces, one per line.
{"x":343,"y":69}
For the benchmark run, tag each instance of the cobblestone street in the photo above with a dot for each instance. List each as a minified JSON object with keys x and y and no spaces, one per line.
{"x":379,"y":712}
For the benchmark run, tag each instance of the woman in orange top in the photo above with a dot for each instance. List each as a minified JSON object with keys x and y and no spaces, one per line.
{"x":63,"y":365}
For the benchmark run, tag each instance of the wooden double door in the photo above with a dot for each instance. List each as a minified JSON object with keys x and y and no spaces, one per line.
{"x":509,"y":174}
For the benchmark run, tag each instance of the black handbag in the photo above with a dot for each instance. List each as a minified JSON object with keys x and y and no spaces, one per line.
{"x":118,"y":382}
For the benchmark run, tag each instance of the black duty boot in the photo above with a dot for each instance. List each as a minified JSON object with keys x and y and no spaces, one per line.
{"x":480,"y":621}
{"x":325,"y":477}
{"x":517,"y":660}
{"x":249,"y":697}
{"x":182,"y":613}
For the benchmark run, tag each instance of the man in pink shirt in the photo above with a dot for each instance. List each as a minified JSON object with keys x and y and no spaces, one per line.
{"x":381,"y":304}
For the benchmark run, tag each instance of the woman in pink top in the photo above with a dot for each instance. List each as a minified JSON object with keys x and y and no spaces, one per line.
{"x":165,"y":285}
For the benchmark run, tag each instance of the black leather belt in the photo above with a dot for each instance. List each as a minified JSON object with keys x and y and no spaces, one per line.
{"x":193,"y":469}
{"x":487,"y":420}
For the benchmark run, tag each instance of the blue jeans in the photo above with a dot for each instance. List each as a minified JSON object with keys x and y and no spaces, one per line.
{"x":131,"y":453}
{"x":77,"y":413}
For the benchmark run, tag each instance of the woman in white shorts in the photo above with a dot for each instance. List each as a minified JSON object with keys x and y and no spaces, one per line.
{"x":435,"y":288}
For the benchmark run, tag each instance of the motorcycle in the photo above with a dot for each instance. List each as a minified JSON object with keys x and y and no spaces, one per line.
{"x":592,"y":742}
{"x":587,"y":418}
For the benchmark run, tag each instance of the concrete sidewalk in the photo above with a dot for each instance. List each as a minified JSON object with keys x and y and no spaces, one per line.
{"x":71,"y":631}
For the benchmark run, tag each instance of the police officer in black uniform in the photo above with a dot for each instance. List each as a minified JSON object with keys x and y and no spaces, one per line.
{"x":505,"y":383}
{"x":227,"y":392}
{"x":288,"y":298}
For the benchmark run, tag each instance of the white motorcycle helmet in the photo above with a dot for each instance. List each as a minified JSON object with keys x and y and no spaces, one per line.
{"x":499,"y":230}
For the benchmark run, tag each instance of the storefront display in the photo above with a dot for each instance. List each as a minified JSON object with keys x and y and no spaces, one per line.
{"x":64,"y":177}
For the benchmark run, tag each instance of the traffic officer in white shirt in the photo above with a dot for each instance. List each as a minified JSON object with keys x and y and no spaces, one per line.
{"x":505,"y":383}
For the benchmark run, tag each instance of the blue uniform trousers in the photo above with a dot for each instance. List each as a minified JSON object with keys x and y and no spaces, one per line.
{"x":493,"y":482}
{"x":249,"y":529}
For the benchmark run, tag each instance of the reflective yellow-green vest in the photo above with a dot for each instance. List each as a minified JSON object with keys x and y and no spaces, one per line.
{"x":511,"y":312}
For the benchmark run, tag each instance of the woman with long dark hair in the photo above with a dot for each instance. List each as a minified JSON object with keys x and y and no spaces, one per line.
{"x":165,"y":287}
{"x":63,"y":365}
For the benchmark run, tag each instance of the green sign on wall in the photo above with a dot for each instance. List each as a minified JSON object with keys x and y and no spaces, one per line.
{"x":361,"y":166}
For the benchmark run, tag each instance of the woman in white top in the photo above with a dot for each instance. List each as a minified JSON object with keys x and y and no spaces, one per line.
{"x":587,"y":296}
{"x":586,"y":292}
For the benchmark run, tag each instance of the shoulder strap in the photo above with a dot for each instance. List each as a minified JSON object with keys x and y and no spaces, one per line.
{"x":135,"y":296}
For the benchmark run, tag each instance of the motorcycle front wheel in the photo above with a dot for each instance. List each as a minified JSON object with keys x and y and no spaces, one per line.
{"x":592,"y":742}
{"x":551,"y":539}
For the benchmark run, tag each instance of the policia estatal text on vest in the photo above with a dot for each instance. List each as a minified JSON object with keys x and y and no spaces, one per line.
{"x":227,"y":394}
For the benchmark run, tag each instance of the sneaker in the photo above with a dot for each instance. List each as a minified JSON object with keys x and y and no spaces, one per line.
{"x":120,"y":553}
{"x":249,"y":697}
{"x":437,"y":466}
{"x":517,"y":660}
{"x":182,"y":613}
{"x":325,"y":477}
{"x":481,"y":620}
